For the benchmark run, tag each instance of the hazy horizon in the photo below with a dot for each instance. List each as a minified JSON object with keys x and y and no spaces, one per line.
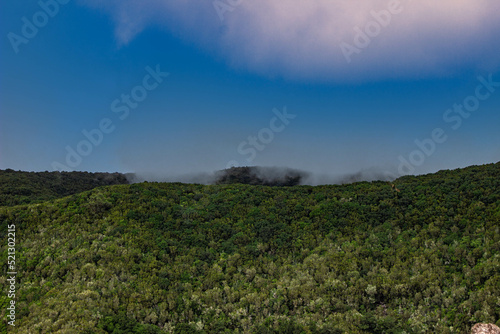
{"x":270,"y":173}
{"x":329,"y":87}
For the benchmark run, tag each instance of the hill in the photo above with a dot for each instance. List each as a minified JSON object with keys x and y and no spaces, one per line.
{"x":183,"y":258}
{"x":264,"y":176}
{"x":17,"y":187}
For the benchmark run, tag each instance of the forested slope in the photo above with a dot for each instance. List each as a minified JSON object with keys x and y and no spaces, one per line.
{"x":17,"y":187}
{"x":179,"y":258}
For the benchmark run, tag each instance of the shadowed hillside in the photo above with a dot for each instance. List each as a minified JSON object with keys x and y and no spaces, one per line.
{"x":18,"y":187}
{"x":264,"y":176}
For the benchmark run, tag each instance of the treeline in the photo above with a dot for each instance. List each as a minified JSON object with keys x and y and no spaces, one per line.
{"x":180,"y":258}
{"x":17,"y":187}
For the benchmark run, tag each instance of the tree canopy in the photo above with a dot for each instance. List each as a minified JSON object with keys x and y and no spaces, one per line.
{"x":184,"y":258}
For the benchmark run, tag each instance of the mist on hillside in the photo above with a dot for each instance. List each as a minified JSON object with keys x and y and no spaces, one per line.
{"x":256,"y":175}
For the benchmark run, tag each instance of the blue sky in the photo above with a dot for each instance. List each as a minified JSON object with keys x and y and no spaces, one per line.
{"x":361,"y":83}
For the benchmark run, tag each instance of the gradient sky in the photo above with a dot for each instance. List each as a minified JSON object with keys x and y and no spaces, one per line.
{"x":365,"y":81}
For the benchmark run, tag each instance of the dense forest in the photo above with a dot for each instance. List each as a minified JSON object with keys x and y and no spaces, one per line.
{"x":17,"y":187}
{"x":236,"y":258}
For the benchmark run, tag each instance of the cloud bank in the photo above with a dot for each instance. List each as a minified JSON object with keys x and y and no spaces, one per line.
{"x":306,"y":40}
{"x":263,"y":176}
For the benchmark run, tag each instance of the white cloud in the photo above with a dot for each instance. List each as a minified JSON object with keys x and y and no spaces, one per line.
{"x":300,"y":39}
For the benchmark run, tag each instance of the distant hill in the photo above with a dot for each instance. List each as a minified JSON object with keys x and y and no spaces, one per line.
{"x":17,"y":187}
{"x":265,"y":176}
{"x":237,"y":258}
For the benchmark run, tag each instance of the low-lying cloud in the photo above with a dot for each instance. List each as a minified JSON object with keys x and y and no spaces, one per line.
{"x":302,"y":40}
{"x":258,"y":175}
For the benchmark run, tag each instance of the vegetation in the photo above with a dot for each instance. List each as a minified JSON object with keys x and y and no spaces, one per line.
{"x":18,"y":187}
{"x":184,"y":258}
{"x":264,"y":176}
